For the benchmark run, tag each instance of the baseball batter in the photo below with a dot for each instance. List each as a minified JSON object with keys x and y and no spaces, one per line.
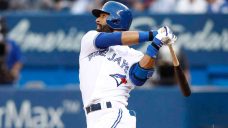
{"x":109,"y":69}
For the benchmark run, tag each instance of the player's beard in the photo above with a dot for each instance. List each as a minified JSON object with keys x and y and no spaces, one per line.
{"x":104,"y":28}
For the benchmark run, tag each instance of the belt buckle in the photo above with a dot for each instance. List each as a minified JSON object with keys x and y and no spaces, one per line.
{"x":108,"y":104}
{"x":90,"y":109}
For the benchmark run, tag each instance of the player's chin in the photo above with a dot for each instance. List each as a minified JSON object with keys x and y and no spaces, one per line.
{"x":99,"y":29}
{"x":104,"y":28}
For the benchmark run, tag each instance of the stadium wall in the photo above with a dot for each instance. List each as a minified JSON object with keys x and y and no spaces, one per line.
{"x":156,"y":108}
{"x":47,"y":39}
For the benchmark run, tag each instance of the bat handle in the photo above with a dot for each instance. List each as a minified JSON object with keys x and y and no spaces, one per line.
{"x":174,"y":57}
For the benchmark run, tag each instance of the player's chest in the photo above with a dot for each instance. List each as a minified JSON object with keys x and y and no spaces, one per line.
{"x":110,"y":58}
{"x":109,"y":54}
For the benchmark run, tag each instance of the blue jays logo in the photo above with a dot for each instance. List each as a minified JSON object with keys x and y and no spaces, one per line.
{"x":120,"y":79}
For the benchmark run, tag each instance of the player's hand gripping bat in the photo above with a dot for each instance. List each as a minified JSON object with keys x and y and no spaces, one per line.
{"x":183,"y":83}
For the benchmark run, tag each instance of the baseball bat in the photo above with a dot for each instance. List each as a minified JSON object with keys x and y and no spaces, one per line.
{"x":182,"y":81}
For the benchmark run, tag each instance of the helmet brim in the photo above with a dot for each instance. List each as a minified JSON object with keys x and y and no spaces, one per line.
{"x":97,"y":12}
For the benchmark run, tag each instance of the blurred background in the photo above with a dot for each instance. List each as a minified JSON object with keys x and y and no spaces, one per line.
{"x":39,"y":50}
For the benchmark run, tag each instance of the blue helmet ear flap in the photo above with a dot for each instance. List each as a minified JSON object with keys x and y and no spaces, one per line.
{"x":115,"y":21}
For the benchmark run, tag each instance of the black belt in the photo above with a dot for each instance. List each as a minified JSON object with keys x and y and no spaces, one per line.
{"x":95,"y":107}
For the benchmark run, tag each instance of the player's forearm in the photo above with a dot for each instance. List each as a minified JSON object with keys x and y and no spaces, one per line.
{"x":105,"y":40}
{"x":147,"y":62}
{"x":130,"y":37}
{"x":141,"y":71}
{"x":135,"y":37}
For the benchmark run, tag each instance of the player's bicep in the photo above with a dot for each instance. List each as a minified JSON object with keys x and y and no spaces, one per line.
{"x":104,"y":40}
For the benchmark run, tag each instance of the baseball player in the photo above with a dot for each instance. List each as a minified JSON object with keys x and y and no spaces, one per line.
{"x":109,"y":69}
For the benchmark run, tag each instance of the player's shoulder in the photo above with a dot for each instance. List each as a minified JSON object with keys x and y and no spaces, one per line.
{"x":91,"y":33}
{"x":12,"y":43}
{"x":90,"y":36}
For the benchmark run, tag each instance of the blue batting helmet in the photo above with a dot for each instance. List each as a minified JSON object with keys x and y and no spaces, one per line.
{"x":120,"y":16}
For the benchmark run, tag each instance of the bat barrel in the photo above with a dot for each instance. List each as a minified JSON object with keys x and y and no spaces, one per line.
{"x":183,"y":83}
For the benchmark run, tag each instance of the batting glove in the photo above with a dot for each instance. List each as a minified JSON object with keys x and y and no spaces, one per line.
{"x":162,"y":31}
{"x":166,"y":35}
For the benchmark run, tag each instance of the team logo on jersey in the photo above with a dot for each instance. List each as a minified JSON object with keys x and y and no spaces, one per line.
{"x":120,"y":79}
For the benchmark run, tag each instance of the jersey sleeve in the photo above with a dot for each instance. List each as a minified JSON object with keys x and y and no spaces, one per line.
{"x":87,"y":43}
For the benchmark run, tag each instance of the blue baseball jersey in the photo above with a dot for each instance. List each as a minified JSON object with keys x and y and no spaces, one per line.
{"x":13,"y":53}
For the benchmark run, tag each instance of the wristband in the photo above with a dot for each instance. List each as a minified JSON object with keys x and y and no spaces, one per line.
{"x":147,"y":36}
{"x":152,"y":50}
